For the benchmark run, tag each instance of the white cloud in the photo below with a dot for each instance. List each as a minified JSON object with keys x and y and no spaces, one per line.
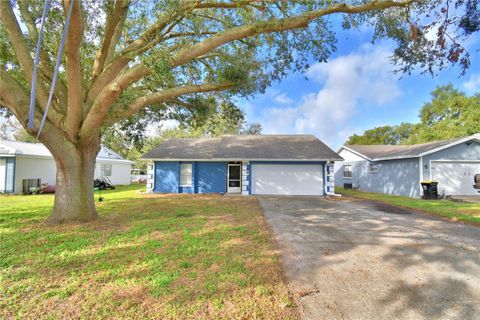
{"x":363,"y":77}
{"x":283,"y":99}
{"x":473,"y":84}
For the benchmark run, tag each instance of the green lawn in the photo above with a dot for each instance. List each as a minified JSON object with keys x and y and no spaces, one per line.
{"x":458,"y":211}
{"x":149,"y":256}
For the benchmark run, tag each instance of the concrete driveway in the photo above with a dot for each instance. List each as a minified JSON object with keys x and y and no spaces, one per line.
{"x":351,"y":259}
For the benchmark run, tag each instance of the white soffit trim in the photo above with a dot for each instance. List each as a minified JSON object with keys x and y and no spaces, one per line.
{"x":103,"y":160}
{"x":355,"y":152}
{"x":379,"y":159}
{"x":11,"y":151}
{"x":476,"y":137}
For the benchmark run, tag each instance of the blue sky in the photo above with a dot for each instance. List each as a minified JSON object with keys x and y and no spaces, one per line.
{"x":354,"y":91}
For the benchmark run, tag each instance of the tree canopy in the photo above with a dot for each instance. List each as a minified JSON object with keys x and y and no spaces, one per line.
{"x":126,"y":57}
{"x":450,"y":114}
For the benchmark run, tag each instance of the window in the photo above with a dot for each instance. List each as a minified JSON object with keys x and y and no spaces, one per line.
{"x":347,"y":171}
{"x":373,"y":168}
{"x":105,"y":170}
{"x":185,"y":175}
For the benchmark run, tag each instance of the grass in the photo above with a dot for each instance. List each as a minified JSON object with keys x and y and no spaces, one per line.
{"x":148,"y":257}
{"x":457,"y":211}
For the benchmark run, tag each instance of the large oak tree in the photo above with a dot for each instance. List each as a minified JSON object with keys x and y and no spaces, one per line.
{"x":129,"y":59}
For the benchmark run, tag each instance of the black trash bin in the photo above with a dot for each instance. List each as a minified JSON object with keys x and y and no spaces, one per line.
{"x":476,"y":180}
{"x":430,"y":190}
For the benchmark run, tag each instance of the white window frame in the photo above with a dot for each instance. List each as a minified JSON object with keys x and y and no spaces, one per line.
{"x":344,"y":167}
{"x":188,"y":176}
{"x":373,"y":168}
{"x":103,"y":169}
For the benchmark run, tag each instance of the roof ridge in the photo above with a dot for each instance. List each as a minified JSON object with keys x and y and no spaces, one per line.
{"x":389,"y":151}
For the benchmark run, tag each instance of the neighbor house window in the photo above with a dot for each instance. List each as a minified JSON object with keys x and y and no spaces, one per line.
{"x":185,"y":174}
{"x":105,"y":170}
{"x":347,"y":171}
{"x":373,"y":168}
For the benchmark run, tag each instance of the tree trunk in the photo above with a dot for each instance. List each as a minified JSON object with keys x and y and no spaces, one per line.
{"x":74,"y":199}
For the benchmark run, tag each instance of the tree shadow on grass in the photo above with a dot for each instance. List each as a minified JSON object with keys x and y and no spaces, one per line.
{"x":163,"y":254}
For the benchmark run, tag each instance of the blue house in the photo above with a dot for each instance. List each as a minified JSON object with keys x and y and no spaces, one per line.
{"x":243,"y":164}
{"x":400,"y":169}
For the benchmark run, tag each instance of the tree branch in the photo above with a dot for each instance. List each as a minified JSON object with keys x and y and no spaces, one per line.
{"x":277,"y":25}
{"x":116,"y":35}
{"x":113,"y":28}
{"x":180,"y":103}
{"x":17,"y":100}
{"x":74,"y":70}
{"x":144,"y":42}
{"x":163,"y":96}
{"x":14,"y":96}
{"x":107,"y":97}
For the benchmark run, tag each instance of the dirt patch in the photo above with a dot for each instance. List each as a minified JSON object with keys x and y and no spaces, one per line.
{"x":380,"y":206}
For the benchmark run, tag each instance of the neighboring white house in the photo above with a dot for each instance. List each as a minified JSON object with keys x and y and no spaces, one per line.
{"x":399,"y":169}
{"x":20,"y":161}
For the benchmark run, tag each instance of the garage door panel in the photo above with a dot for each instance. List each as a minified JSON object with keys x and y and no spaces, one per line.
{"x":285,"y":179}
{"x":455,"y":178}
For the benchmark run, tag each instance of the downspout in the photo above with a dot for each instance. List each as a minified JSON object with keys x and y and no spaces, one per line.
{"x":420,"y":165}
{"x":325,"y":179}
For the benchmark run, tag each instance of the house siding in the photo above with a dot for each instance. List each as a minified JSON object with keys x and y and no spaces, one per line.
{"x":210,"y":177}
{"x":207,"y":177}
{"x":34,"y":168}
{"x":167,"y":176}
{"x":396,"y":177}
{"x":121,"y":172}
{"x":45,"y":169}
{"x":459,"y":152}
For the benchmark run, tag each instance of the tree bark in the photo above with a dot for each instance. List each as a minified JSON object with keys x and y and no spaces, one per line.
{"x":74,"y":198}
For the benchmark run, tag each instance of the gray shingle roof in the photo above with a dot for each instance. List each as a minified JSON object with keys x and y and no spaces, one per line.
{"x":182,"y":148}
{"x":401,"y":151}
{"x":244,"y":147}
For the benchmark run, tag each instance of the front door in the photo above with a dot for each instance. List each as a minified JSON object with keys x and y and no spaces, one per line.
{"x":234,"y":178}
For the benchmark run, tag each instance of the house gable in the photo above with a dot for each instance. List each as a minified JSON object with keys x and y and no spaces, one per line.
{"x":350,"y":155}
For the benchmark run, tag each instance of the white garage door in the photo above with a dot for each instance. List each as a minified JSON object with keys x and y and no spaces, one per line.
{"x":287,"y":179}
{"x":455,"y":178}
